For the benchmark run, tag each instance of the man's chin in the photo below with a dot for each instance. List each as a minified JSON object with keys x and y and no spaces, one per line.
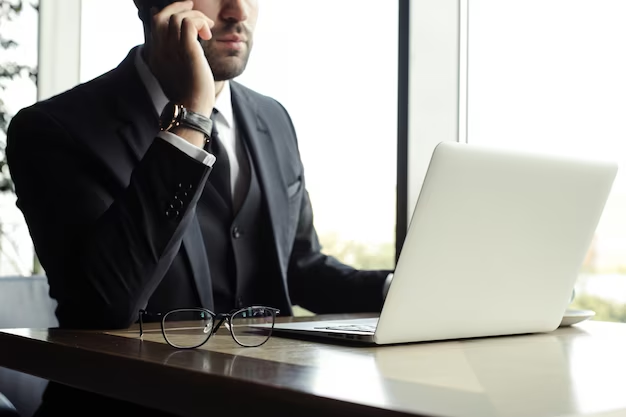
{"x":227,"y":68}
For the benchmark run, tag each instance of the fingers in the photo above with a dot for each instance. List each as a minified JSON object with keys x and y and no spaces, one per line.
{"x":160,"y":19}
{"x":167,"y":24}
{"x":204,"y":30}
{"x":189,"y":34}
{"x":198,"y":21}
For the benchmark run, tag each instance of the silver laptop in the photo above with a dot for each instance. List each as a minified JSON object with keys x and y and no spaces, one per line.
{"x":493,"y":248}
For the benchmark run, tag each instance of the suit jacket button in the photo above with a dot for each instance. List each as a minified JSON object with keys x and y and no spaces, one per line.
{"x":177,"y":204}
{"x":237,"y":232}
{"x":171,"y":213}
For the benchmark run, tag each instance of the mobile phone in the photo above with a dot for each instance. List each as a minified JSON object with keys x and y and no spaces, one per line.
{"x":146,"y":16}
{"x":159,"y":4}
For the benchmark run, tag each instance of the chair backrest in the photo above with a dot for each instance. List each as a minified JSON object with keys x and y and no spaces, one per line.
{"x":6,"y":408}
{"x":24,"y":303}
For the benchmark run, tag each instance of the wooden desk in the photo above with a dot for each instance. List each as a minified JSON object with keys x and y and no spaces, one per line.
{"x":577,"y":371}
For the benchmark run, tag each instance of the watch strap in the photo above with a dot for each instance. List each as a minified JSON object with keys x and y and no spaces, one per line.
{"x":197,"y":122}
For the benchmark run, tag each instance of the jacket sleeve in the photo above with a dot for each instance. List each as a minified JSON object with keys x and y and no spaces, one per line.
{"x":99,"y":244}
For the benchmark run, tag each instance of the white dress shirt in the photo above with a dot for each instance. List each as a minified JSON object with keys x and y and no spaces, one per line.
{"x":226,"y":128}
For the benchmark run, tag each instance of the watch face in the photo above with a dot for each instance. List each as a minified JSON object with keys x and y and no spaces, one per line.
{"x":169,"y":116}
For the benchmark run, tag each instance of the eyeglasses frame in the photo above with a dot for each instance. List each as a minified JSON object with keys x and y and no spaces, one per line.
{"x":220,"y":318}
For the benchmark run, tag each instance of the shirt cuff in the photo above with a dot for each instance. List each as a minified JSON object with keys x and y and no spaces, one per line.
{"x":387,"y":284}
{"x":193,"y":151}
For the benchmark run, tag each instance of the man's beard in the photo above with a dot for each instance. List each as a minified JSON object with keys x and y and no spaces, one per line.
{"x":227,"y":65}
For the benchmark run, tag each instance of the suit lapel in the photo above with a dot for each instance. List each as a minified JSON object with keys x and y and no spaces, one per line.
{"x":137,"y":131}
{"x":263,"y":152}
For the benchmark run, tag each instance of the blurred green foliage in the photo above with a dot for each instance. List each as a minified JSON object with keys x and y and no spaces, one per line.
{"x":359,"y":255}
{"x":606,"y":310}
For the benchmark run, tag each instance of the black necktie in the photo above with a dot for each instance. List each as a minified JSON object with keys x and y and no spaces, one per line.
{"x":220,"y":174}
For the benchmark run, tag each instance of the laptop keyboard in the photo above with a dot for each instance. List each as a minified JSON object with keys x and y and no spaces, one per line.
{"x":350,"y":328}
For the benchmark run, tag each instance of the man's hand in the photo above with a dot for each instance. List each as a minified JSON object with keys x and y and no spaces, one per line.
{"x":176,"y":57}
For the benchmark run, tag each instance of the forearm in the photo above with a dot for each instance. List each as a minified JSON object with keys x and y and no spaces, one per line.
{"x":327,"y":286}
{"x":119,"y":257}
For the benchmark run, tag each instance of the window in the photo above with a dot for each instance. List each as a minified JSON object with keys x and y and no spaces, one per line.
{"x":18,"y":70}
{"x":102,"y":49}
{"x":548,"y":75}
{"x":339,"y":86}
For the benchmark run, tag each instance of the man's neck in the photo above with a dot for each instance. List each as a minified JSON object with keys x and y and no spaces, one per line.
{"x":219,"y":86}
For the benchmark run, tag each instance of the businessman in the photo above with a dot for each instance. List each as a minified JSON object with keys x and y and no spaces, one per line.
{"x":164,"y":184}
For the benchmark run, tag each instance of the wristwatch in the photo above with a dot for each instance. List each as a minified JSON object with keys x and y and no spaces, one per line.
{"x":177,"y":115}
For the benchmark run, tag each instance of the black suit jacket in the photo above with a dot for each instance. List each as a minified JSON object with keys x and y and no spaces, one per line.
{"x":94,"y":183}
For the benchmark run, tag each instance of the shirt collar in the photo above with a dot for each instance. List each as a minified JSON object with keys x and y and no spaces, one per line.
{"x":223,"y":102}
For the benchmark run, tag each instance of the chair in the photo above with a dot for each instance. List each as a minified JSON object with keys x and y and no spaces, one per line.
{"x":24,"y":302}
{"x":6,"y":408}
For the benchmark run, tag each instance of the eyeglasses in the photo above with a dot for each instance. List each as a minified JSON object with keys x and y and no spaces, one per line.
{"x":189,"y":328}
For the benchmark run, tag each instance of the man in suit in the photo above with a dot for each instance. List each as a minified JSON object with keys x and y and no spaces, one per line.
{"x":132,"y":206}
{"x":126,"y":216}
